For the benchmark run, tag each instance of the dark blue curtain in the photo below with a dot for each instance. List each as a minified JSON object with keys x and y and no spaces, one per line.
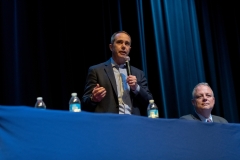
{"x":178,"y":51}
{"x":47,"y":47}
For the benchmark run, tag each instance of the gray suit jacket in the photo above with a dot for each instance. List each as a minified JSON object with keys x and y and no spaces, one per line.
{"x":194,"y":116}
{"x":103,"y":75}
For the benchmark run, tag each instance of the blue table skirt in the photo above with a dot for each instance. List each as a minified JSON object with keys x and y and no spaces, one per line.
{"x":27,"y":133}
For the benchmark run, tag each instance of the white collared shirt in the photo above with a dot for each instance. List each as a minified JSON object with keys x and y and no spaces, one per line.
{"x":203,"y":118}
{"x":125,"y":105}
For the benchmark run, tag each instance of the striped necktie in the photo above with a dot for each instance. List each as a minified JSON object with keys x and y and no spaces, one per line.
{"x":123,"y":97}
{"x":121,"y":88}
{"x":209,"y":120}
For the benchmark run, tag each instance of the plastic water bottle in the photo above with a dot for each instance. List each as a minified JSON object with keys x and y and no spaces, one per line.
{"x":40,"y":104}
{"x":152,"y":109}
{"x":74,"y":103}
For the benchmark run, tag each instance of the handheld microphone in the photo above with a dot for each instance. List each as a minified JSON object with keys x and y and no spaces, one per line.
{"x":127,"y":59}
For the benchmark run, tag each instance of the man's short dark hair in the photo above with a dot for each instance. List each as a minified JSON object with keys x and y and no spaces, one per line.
{"x":114,"y":34}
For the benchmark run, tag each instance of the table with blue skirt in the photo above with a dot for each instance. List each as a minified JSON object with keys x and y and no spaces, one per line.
{"x":28,"y":133}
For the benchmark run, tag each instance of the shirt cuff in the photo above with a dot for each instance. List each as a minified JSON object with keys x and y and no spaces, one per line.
{"x":137,"y":90}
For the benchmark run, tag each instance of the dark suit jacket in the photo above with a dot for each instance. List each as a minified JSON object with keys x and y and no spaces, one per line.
{"x":194,"y":116}
{"x":103,"y":75}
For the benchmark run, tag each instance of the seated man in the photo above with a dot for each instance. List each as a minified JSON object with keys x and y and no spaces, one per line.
{"x":203,"y":102}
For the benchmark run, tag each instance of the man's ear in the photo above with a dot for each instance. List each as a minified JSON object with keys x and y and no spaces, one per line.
{"x":193,"y":102}
{"x":110,"y":47}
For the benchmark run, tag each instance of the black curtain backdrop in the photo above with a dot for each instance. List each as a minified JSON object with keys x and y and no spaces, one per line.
{"x":46,"y":48}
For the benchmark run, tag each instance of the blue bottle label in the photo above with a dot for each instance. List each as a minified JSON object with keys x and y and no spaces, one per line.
{"x":153,"y":113}
{"x":75,"y":107}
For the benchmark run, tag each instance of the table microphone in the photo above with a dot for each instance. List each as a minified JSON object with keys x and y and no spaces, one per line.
{"x":127,"y":59}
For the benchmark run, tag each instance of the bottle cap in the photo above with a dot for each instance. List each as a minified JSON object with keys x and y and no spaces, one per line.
{"x":151,"y":101}
{"x":39,"y":98}
{"x":74,"y":94}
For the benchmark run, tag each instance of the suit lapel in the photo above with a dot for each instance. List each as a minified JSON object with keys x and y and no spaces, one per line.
{"x":196,"y":117}
{"x":109,"y":71}
{"x":215,"y":119}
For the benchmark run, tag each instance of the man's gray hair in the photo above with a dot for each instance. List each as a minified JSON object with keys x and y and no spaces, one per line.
{"x":202,"y":83}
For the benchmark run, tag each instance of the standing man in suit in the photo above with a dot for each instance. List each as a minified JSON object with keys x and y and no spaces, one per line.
{"x":203,"y":101}
{"x":108,"y":87}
